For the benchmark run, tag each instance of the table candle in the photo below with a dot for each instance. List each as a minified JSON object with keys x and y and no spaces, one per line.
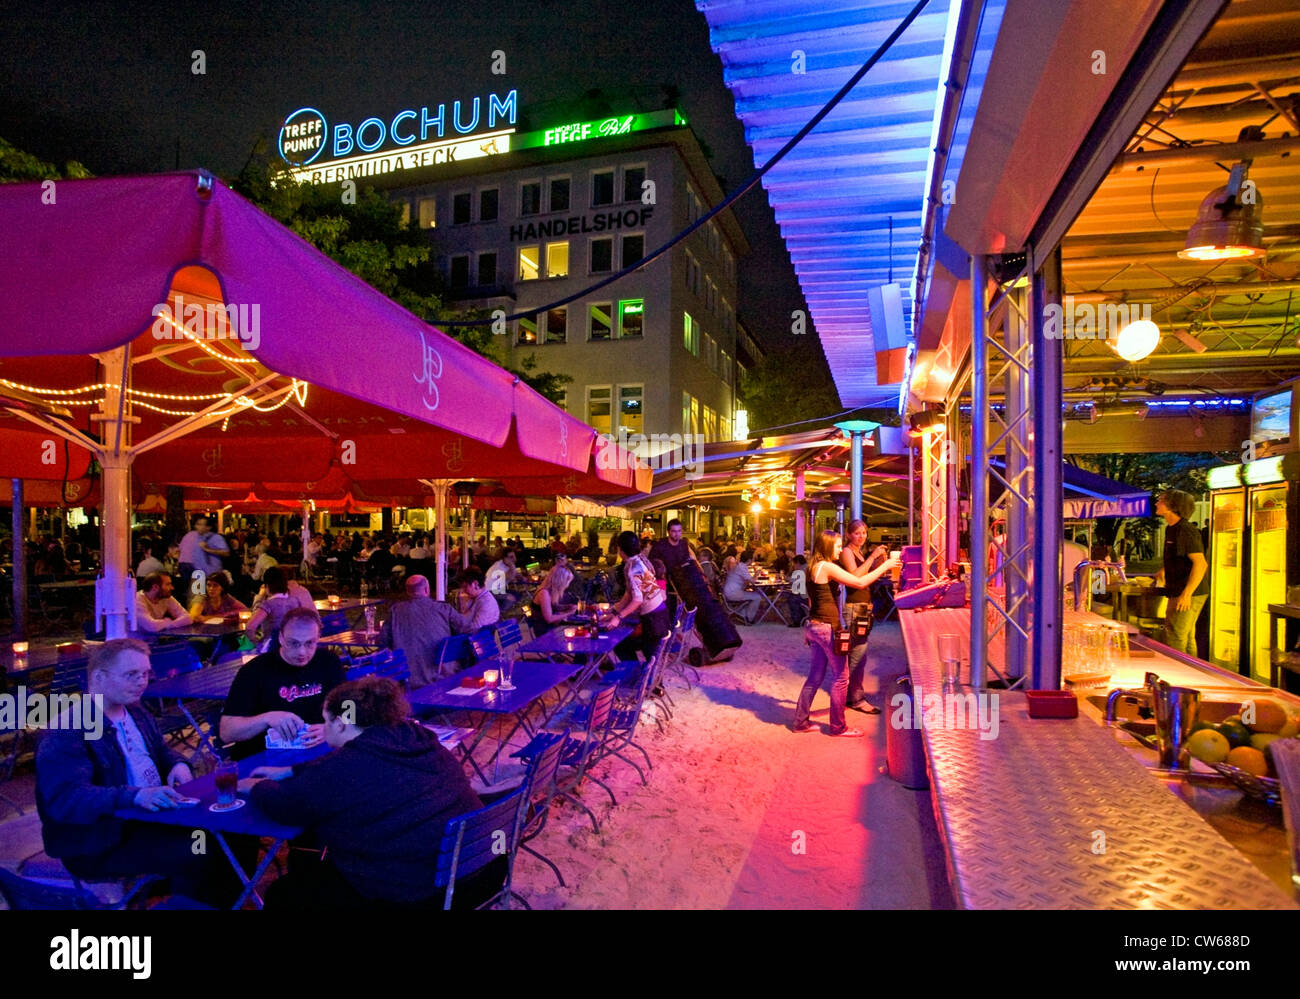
{"x":334,"y":601}
{"x":490,"y":677}
{"x":20,"y":648}
{"x":245,"y":615}
{"x":570,"y":632}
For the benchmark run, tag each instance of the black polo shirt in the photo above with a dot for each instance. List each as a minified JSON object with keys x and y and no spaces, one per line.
{"x":268,"y":683}
{"x":1181,"y":541}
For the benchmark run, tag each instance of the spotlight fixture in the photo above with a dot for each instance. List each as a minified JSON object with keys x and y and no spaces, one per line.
{"x":1229,"y":224}
{"x":1137,"y":340}
{"x":918,"y":423}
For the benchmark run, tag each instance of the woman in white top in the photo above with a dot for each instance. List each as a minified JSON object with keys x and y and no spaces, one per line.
{"x":642,"y":599}
{"x":746,"y":602}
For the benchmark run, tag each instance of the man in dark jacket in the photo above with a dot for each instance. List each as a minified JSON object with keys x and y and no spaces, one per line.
{"x":81,"y":781}
{"x":378,"y":804}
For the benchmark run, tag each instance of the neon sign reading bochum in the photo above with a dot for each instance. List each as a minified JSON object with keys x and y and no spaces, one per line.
{"x":305,"y":135}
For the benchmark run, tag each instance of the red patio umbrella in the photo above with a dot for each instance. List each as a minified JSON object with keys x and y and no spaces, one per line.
{"x":169,"y":306}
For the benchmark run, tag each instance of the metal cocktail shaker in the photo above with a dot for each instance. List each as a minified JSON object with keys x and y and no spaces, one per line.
{"x":1175,"y":710}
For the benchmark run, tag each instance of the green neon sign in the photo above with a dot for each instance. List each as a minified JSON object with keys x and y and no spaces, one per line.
{"x":600,"y":128}
{"x":633,"y":308}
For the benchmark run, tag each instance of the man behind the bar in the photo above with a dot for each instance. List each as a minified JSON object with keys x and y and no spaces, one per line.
{"x":1185,"y":575}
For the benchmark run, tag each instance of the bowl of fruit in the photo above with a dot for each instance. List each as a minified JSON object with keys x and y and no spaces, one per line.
{"x":1239,"y":746}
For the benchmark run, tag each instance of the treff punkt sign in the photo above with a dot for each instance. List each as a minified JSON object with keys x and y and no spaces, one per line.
{"x":412,"y":139}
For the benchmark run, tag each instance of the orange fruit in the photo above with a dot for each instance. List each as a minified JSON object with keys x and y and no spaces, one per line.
{"x":1249,"y":759}
{"x":1269,"y":716}
{"x":1208,"y":746}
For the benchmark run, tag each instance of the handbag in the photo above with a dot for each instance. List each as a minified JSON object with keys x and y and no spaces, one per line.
{"x":841,"y":637}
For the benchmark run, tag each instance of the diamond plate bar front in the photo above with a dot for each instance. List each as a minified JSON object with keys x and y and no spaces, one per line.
{"x":1055,"y":814}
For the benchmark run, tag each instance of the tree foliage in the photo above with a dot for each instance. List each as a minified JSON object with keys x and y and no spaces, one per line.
{"x":790,"y":385}
{"x":18,"y":166}
{"x":1154,"y":473}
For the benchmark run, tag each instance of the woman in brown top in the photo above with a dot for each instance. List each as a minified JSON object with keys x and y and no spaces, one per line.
{"x":858,"y":605}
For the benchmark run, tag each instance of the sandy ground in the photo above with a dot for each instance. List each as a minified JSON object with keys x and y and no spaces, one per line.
{"x":741,"y":813}
{"x":738,"y":811}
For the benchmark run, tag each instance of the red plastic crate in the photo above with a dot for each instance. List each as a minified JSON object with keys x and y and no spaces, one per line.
{"x":1052,"y":704}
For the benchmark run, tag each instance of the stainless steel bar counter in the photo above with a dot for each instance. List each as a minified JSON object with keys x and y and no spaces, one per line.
{"x":1056,"y":814}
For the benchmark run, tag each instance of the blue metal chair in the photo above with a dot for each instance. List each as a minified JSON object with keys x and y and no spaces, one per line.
{"x":543,"y":772}
{"x":509,"y":634}
{"x":483,"y":644}
{"x":454,"y":650}
{"x":27,"y":895}
{"x":579,"y":754}
{"x":472,"y":841}
{"x":390,"y":663}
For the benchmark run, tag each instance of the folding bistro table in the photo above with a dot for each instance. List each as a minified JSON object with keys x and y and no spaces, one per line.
{"x":532,"y":679}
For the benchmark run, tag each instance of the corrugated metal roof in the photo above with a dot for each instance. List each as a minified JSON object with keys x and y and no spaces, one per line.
{"x":835,"y":193}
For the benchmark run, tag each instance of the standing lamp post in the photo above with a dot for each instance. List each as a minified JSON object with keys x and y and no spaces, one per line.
{"x":856,"y":430}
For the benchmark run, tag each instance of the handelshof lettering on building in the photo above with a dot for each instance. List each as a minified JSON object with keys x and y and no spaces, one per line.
{"x":573,"y":225}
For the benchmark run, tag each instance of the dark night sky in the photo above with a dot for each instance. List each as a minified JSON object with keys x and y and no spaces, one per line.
{"x":110,"y":84}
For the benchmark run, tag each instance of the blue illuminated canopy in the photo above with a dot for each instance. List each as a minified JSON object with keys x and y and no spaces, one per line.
{"x":835,"y":194}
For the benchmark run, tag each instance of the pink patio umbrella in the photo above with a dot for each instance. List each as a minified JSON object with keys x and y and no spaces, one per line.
{"x":143,"y":310}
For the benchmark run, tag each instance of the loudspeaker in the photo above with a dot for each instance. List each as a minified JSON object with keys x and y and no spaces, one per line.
{"x":888,"y":329}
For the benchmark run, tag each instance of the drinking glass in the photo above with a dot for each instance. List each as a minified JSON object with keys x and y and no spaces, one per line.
{"x":370,"y":619}
{"x":508,"y":670}
{"x":226,"y":777}
{"x":950,"y":658}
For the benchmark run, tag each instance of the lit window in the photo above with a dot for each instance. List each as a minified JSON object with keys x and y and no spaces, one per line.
{"x":600,"y":322}
{"x":530,"y":197}
{"x":557,"y":325}
{"x":460,"y":208}
{"x":602,"y":255}
{"x":695,"y":415}
{"x":631,"y":318}
{"x":633,"y":178}
{"x":528,"y":263}
{"x":598,"y":409}
{"x":557,"y":259}
{"x":428,"y":213}
{"x":686,"y":412}
{"x":527,"y":330}
{"x":460,"y":272}
{"x":633,"y":249}
{"x":691,"y":335}
{"x":630,"y":414}
{"x":487,"y":268}
{"x":560,"y":194}
{"x":602,"y":188}
{"x":487,"y":205}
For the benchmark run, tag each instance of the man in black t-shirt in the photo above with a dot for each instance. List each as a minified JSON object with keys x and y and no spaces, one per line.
{"x":1185,"y":573}
{"x":284,"y":689}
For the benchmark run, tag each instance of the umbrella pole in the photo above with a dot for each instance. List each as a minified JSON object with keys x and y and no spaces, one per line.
{"x":440,"y":501}
{"x":116,"y":540}
{"x":468,"y":539}
{"x":19,"y":564}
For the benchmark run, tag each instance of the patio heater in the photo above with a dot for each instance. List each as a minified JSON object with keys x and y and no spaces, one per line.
{"x":856,"y":430}
{"x":465,"y":501}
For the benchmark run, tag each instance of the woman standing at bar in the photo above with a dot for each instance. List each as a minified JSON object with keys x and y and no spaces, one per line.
{"x":825,"y":577}
{"x":858,"y":606}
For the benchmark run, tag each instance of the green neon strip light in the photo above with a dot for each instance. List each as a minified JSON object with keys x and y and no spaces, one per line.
{"x":569,"y":133}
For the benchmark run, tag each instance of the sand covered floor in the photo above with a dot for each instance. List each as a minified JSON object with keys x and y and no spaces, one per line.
{"x":739,"y":812}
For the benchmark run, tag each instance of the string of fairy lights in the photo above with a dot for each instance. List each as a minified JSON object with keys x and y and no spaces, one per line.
{"x":297,"y":390}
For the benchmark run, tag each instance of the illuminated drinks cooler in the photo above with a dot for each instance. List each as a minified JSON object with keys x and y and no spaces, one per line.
{"x":1254,"y":556}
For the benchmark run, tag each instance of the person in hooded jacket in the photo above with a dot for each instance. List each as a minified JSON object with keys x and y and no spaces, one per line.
{"x":378,"y":804}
